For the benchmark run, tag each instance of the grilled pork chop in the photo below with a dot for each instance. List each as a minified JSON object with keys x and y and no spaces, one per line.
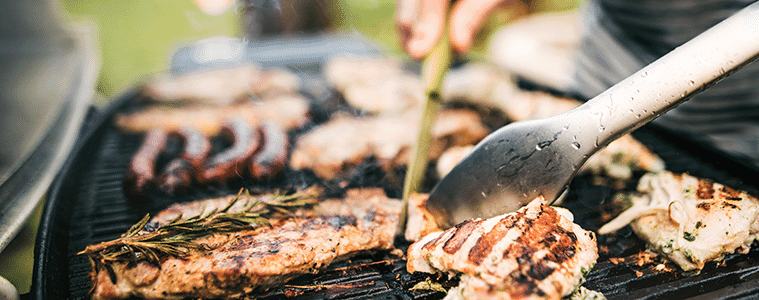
{"x":241,"y":262}
{"x":536,"y":252}
{"x":689,"y":220}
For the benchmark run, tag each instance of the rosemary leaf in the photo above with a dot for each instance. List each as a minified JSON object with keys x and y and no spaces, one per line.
{"x":178,"y":236}
{"x":135,"y":229}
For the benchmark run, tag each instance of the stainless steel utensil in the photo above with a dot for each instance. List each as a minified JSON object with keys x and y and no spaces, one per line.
{"x":524,"y":160}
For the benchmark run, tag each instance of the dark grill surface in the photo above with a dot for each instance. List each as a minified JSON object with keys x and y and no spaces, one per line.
{"x":87,"y":205}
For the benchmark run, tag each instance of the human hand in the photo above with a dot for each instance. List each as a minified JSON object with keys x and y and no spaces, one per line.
{"x":421,"y":22}
{"x":214,"y":7}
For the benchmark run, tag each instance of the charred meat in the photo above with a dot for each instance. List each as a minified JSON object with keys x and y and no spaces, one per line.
{"x":181,"y":171}
{"x":271,"y":157}
{"x":232,"y":161}
{"x":231,"y":264}
{"x":141,"y":171}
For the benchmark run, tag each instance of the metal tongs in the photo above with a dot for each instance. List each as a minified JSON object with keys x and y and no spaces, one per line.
{"x":525,"y":160}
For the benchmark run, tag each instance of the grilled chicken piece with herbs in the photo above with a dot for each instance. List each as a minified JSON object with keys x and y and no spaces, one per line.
{"x":227,"y":259}
{"x":689,"y":220}
{"x":536,"y":252}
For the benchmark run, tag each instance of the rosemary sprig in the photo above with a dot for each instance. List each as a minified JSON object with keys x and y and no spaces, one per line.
{"x":177,"y":237}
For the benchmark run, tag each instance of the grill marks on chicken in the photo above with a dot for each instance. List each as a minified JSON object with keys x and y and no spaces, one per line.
{"x":689,"y":220}
{"x":534,"y":253}
{"x":245,"y":261}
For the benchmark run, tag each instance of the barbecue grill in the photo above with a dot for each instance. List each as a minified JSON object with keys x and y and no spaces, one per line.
{"x":87,"y":205}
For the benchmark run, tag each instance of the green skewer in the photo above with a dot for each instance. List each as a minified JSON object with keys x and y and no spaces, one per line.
{"x":433,"y":70}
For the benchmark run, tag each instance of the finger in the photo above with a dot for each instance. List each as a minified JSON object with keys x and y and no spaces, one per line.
{"x":406,"y":14}
{"x":214,"y":7}
{"x":466,"y":19}
{"x":428,"y":28}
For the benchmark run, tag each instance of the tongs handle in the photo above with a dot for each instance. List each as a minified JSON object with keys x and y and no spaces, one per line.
{"x":673,"y":78}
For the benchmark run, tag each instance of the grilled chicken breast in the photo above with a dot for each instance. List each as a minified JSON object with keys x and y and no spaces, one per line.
{"x":238,"y":263}
{"x":689,"y":220}
{"x":536,"y":252}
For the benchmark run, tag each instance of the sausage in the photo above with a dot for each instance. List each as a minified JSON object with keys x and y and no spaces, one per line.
{"x":269,"y":160}
{"x":141,"y":171}
{"x":176,"y":177}
{"x":178,"y":174}
{"x":196,"y":146}
{"x":231,"y":161}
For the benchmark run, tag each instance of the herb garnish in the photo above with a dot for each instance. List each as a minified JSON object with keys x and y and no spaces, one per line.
{"x":177,"y":237}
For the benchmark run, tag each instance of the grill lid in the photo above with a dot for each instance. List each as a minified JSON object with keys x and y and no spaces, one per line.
{"x":46,"y":86}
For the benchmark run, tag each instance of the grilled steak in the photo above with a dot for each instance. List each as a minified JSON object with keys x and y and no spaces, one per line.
{"x":534,"y":253}
{"x":689,"y":220}
{"x":397,"y":93}
{"x":240,"y":262}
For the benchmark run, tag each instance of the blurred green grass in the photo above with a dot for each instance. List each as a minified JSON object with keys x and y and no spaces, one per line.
{"x":137,"y":37}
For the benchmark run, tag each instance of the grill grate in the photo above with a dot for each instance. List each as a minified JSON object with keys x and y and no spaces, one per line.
{"x":87,"y":205}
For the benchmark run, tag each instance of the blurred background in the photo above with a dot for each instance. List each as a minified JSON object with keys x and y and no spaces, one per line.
{"x":137,"y":38}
